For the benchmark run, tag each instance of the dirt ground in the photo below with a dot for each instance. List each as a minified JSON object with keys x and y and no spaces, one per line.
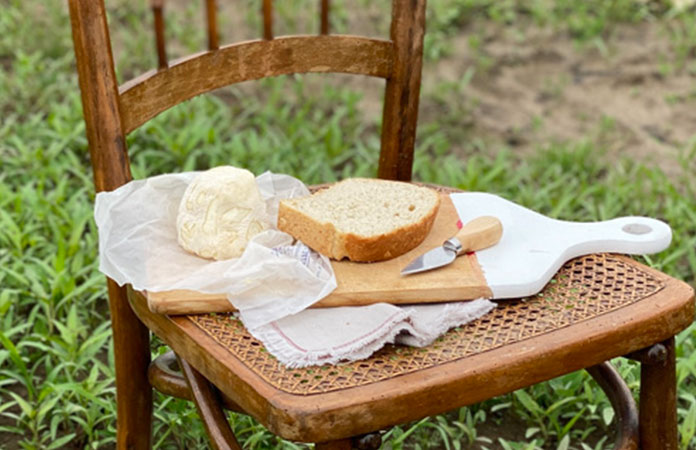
{"x":528,"y":92}
{"x":543,"y":88}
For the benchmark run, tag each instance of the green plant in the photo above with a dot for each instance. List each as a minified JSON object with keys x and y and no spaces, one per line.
{"x":56,"y":371}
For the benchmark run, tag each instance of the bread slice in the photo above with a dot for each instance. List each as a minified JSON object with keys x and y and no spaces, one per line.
{"x":361,"y":219}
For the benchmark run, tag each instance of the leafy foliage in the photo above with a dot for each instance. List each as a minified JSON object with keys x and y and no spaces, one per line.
{"x":55,"y":351}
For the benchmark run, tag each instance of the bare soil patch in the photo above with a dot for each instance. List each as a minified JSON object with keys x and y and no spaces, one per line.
{"x":539,"y":87}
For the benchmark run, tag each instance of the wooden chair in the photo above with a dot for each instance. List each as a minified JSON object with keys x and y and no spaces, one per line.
{"x":597,"y":307}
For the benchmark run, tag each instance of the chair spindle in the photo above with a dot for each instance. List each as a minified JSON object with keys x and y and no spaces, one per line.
{"x":157,"y":12}
{"x":324,"y":13}
{"x":267,"y":19}
{"x":211,"y":18}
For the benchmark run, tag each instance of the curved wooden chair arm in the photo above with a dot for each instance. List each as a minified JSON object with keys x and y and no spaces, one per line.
{"x":622,"y":401}
{"x":209,"y":406}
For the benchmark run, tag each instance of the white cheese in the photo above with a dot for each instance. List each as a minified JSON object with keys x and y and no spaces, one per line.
{"x":220,"y":212}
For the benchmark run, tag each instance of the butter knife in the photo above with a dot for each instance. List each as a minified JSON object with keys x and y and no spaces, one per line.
{"x":477,"y":234}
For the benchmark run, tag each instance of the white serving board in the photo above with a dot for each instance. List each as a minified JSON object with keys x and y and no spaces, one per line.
{"x":533,"y":247}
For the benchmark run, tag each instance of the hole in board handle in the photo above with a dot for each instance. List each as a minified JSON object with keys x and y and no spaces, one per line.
{"x":636,"y":228}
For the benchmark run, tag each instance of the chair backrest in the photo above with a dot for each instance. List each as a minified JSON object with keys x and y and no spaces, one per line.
{"x":111,"y":112}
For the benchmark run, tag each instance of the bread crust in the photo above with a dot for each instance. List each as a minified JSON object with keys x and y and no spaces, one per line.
{"x":325,"y":239}
{"x":318,"y":236}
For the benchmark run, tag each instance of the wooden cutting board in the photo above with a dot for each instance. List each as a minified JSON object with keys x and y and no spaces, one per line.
{"x":367,"y":283}
{"x":533,"y":247}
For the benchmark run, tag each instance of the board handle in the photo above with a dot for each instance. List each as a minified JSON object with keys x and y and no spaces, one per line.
{"x":632,"y":235}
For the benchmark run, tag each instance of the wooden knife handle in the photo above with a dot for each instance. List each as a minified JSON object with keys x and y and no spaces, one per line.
{"x":479,"y":233}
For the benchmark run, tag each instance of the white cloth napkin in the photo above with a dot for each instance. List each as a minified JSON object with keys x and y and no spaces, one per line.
{"x":334,"y":335}
{"x":271,"y":284}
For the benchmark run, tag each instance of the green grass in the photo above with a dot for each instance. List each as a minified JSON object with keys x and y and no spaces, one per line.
{"x":55,"y":350}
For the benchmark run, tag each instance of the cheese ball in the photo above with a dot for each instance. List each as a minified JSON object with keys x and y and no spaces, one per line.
{"x":221,"y":210}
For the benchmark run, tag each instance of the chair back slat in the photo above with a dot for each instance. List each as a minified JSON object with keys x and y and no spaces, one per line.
{"x":211,"y":21}
{"x":267,"y":11}
{"x":403,"y":89}
{"x":160,"y":43}
{"x":156,"y":91}
{"x":324,"y":16}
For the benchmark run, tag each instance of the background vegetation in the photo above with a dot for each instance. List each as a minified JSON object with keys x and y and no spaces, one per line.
{"x":55,"y":355}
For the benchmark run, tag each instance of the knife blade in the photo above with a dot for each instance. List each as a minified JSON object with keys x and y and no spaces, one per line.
{"x":477,"y":234}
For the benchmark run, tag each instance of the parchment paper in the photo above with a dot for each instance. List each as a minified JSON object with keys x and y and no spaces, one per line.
{"x":272,"y":279}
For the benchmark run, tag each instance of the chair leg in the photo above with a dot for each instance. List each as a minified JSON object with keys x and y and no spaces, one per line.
{"x":369,"y":441}
{"x":209,"y":406}
{"x":658,"y":401}
{"x":132,"y":358}
{"x":343,"y":444}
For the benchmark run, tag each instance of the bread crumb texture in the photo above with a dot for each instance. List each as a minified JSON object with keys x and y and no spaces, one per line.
{"x":362,"y":219}
{"x":221,"y":210}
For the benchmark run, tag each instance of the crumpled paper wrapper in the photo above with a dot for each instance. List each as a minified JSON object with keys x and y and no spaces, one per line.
{"x":272,"y":279}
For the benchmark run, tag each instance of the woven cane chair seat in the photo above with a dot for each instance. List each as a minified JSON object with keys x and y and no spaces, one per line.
{"x":584,"y":288}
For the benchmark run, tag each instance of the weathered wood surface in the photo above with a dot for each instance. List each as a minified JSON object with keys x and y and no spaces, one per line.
{"x":267,"y":13}
{"x":165,"y":379}
{"x":211,"y":22}
{"x":343,"y":444}
{"x":315,"y":418}
{"x":148,"y":95}
{"x":210,"y":410}
{"x":99,"y":88}
{"x":658,"y":402}
{"x":367,"y":283}
{"x":609,"y":379}
{"x":158,"y":20}
{"x":107,"y":147}
{"x":165,"y":376}
{"x":132,"y":358}
{"x":403,"y":89}
{"x":324,"y":27}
